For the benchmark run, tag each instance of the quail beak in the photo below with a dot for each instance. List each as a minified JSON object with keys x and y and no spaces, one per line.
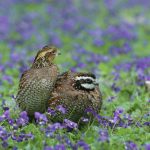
{"x":58,"y":53}
{"x":96,"y":82}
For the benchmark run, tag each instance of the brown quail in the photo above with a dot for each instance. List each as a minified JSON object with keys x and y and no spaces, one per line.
{"x":36,"y":84}
{"x":76,"y":92}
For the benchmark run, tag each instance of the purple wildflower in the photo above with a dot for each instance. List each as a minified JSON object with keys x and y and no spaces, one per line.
{"x":70,"y":124}
{"x":126,"y":48}
{"x":110,"y":99}
{"x":5,"y":116}
{"x":147,"y":124}
{"x":52,"y":128}
{"x":5,"y":144}
{"x":2,"y":68}
{"x":60,"y":147}
{"x":147,"y":146}
{"x":22,"y":136}
{"x":82,"y":144}
{"x":41,"y":119}
{"x":115,"y":88}
{"x":117,"y":114}
{"x":51,"y":112}
{"x":4,"y":26}
{"x":121,"y":31}
{"x":130,"y":146}
{"x":8,"y":78}
{"x":103,"y":136}
{"x":4,"y":135}
{"x":61,"y":109}
{"x":23,"y":119}
{"x":48,"y":148}
{"x":125,"y":66}
{"x":56,"y":147}
{"x":98,"y":42}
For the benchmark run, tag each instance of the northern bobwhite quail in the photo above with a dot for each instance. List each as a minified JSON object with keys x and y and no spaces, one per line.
{"x":36,"y":84}
{"x":76,"y":92}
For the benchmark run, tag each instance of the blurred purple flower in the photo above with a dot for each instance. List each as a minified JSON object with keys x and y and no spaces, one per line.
{"x":22,"y":136}
{"x":130,"y":146}
{"x":56,"y":147}
{"x":104,"y":121}
{"x":96,"y":33}
{"x":103,"y":136}
{"x":25,"y":27}
{"x":69,"y":25}
{"x":117,"y":114}
{"x":121,"y":31}
{"x":4,"y":26}
{"x":142,"y":63}
{"x":70,"y":124}
{"x":2,"y":67}
{"x":23,"y":119}
{"x":56,"y":41}
{"x":110,"y":99}
{"x":60,"y":147}
{"x":82,"y":144}
{"x":147,"y":146}
{"x":4,"y":135}
{"x":147,"y":124}
{"x":61,"y":109}
{"x":5,"y":116}
{"x":52,"y":128}
{"x":5,"y":144}
{"x":81,"y":65}
{"x":41,"y":119}
{"x":15,"y":57}
{"x":126,"y":66}
{"x":126,"y":48}
{"x":48,"y":148}
{"x":8,"y":78}
{"x":98,"y":42}
{"x":115,"y":88}
{"x":51,"y":112}
{"x":14,"y":148}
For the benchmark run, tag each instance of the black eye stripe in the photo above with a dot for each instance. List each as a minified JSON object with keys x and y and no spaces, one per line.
{"x":79,"y":84}
{"x":85,"y":81}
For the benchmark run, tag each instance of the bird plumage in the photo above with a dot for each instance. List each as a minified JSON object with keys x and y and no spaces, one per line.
{"x":36,"y":84}
{"x":76,"y":92}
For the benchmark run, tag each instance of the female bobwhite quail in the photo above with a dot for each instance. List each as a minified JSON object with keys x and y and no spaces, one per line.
{"x":76,"y":92}
{"x":36,"y":84}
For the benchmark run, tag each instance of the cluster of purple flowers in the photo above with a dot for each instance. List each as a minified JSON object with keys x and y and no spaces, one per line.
{"x":15,"y":125}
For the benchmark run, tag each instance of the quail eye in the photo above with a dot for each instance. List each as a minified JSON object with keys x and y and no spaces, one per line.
{"x":53,"y":52}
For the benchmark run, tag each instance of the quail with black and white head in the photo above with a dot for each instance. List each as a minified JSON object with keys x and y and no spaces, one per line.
{"x":76,"y":92}
{"x":37,"y":83}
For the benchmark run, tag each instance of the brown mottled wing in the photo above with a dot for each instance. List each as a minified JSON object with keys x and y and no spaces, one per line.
{"x":35,"y":89}
{"x":76,"y":101}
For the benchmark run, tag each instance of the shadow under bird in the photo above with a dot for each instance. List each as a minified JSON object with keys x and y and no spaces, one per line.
{"x":76,"y":92}
{"x":37,"y":83}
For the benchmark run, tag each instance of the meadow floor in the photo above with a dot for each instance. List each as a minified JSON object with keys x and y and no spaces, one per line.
{"x":109,"y":38}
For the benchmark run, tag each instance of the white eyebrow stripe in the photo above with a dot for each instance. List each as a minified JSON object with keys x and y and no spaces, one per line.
{"x":88,"y":86}
{"x":84,"y":78}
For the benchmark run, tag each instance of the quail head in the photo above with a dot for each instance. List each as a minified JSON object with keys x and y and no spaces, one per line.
{"x":76,"y":92}
{"x":36,"y":84}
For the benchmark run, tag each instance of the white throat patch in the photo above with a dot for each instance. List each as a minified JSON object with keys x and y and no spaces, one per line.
{"x":88,"y":86}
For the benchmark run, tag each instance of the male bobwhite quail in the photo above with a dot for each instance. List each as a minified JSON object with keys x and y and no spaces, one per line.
{"x":36,"y":84}
{"x":76,"y":92}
